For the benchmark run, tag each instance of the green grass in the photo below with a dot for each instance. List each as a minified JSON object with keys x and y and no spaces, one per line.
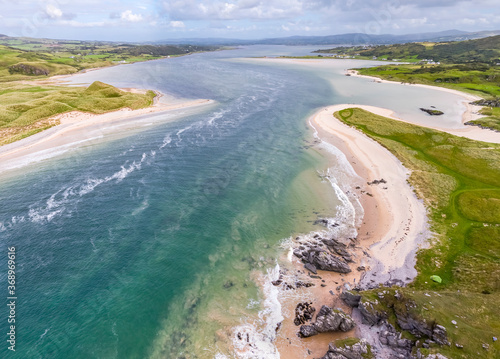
{"x":484,"y":50}
{"x":24,"y":106}
{"x":459,"y":180}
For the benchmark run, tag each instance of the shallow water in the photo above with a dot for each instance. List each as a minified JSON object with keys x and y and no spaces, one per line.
{"x":153,"y":243}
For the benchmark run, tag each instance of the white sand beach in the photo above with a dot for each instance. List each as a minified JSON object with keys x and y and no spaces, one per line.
{"x":77,"y":127}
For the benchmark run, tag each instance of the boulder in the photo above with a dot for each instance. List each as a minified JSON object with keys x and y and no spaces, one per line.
{"x":311,"y":267}
{"x":328,"y":320}
{"x":307,"y":331}
{"x":369,"y":315}
{"x":350,"y":298}
{"x":327,"y":261}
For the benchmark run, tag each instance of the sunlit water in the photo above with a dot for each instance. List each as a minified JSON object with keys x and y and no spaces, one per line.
{"x":155,"y":243}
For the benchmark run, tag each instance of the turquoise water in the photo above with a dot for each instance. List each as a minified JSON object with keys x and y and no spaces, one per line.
{"x":135,"y":247}
{"x":149,"y":245}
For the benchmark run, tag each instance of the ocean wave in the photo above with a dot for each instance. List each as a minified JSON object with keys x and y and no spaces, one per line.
{"x":256,"y":339}
{"x":61,"y":201}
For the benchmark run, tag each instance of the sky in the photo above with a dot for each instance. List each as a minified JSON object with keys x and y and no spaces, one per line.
{"x":152,"y":20}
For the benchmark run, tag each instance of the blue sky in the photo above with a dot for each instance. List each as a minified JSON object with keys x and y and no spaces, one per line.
{"x":147,"y":20}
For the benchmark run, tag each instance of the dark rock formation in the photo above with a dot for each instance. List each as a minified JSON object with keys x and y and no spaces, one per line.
{"x":470,"y":123}
{"x":359,"y":350}
{"x":303,"y":313}
{"x":489,"y":103}
{"x":325,"y":260}
{"x":350,"y":298}
{"x":311,"y":267}
{"x":325,"y":254}
{"x":328,"y":320}
{"x":377,"y":181}
{"x":432,"y":112}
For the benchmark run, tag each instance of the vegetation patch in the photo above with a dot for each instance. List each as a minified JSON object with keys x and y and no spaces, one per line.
{"x":459,"y":179}
{"x":24,"y":109}
{"x":481,"y":206}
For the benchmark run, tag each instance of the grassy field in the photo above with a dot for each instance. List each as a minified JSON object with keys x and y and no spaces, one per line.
{"x":484,"y":50}
{"x":459,"y":180}
{"x":26,"y":109}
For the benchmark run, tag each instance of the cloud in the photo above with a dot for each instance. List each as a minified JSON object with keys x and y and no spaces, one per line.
{"x":177,"y":24}
{"x":53,"y":11}
{"x":238,"y":10}
{"x":74,"y":23}
{"x":129,"y":16}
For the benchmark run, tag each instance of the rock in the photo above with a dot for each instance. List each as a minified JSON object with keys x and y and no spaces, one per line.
{"x":327,"y":261}
{"x":350,"y":298}
{"x":369,"y":315}
{"x":489,"y":103}
{"x":432,"y":112}
{"x":303,"y":312}
{"x":358,"y":350}
{"x":307,"y":331}
{"x":459,"y":346}
{"x":439,"y":335}
{"x":328,"y":320}
{"x":311,"y":267}
{"x":454,"y":322}
{"x":486,"y":346}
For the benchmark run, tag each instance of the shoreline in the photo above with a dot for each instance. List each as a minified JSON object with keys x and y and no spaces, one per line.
{"x":393,"y":227}
{"x":75,"y":127}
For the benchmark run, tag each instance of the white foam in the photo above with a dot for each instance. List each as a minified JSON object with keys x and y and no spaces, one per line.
{"x":256,"y":339}
{"x":58,"y":203}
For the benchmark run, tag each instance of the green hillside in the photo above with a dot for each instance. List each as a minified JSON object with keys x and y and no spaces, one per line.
{"x":486,"y":50}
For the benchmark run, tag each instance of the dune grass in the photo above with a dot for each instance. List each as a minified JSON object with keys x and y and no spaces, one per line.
{"x":459,"y":180}
{"x":23,"y":108}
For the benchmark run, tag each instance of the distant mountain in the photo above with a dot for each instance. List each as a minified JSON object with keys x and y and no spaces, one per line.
{"x":343,"y":39}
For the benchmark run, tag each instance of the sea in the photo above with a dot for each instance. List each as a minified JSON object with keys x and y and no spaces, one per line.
{"x":160,"y":241}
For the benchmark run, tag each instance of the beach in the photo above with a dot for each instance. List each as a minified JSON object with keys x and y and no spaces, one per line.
{"x":75,"y":127}
{"x":394,"y":225}
{"x":394,"y":222}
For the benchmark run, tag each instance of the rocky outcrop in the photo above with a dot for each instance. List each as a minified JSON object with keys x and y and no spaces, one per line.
{"x":488,"y":103}
{"x":290,"y":285}
{"x":303,"y":312}
{"x":393,"y":304}
{"x":431,"y":111}
{"x":359,"y":350}
{"x":472,"y":123}
{"x":328,"y":320}
{"x":350,"y":298}
{"x":326,"y":254}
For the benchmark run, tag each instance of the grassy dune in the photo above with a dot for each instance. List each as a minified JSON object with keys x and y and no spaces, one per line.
{"x":459,"y":180}
{"x":26,"y":110}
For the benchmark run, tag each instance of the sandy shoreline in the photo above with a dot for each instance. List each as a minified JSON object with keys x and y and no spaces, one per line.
{"x":76,"y":127}
{"x":393,"y":227}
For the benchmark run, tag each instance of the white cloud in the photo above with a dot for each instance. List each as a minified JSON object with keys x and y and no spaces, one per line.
{"x":128,"y":15}
{"x":53,"y":12}
{"x":74,"y":23}
{"x":224,"y":10}
{"x":177,"y":24}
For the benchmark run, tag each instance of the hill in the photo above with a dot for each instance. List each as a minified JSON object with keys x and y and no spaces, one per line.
{"x":341,"y":39}
{"x":485,"y":50}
